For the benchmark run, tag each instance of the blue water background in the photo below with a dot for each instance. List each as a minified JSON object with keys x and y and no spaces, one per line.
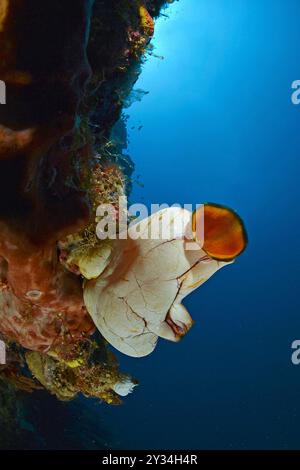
{"x":219,"y":125}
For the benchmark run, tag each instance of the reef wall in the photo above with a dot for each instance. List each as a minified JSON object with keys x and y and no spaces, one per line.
{"x":68,"y":66}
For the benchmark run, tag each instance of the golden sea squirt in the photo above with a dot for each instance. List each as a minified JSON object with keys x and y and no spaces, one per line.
{"x":138,"y":297}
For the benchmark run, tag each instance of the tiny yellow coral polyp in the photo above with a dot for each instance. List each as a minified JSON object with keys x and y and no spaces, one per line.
{"x":147,"y":22}
{"x":3,"y":13}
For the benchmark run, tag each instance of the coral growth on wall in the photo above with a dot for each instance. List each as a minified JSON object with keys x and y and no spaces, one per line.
{"x":69,"y":66}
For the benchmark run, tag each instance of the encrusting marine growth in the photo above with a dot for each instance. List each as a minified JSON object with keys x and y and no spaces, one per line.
{"x":62,"y":154}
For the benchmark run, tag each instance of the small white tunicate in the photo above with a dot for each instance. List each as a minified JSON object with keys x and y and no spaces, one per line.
{"x":34,"y":294}
{"x":124,"y":387}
